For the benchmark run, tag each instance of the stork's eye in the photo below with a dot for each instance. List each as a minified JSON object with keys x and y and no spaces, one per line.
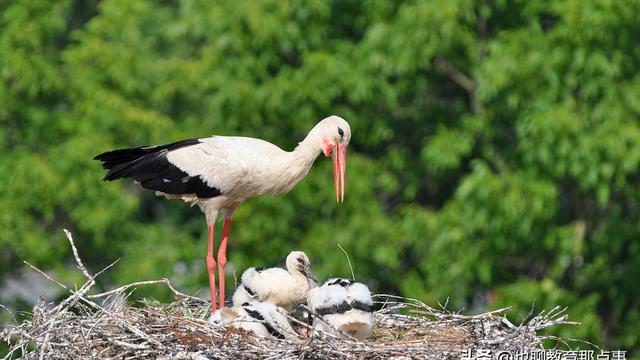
{"x":340,"y":132}
{"x":301,"y":260}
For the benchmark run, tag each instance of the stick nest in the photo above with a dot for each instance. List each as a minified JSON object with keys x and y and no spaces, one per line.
{"x":104,"y":326}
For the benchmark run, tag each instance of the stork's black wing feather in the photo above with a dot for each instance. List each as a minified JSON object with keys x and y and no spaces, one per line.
{"x":340,"y":308}
{"x":256,"y":315}
{"x":149,"y":166}
{"x":113,"y":158}
{"x":356,"y":304}
{"x":340,"y":282}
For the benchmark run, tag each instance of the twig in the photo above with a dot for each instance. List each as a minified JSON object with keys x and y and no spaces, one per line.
{"x":130,"y":346}
{"x":46,"y":275}
{"x":353,"y":276}
{"x":164,"y":281}
{"x":79,"y":263}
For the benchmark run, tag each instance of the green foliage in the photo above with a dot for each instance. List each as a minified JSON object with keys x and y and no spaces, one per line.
{"x":494,"y":158}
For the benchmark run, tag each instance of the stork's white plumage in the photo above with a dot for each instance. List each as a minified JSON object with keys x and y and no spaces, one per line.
{"x":220,"y":172}
{"x":276,"y":285}
{"x":263,"y":318}
{"x":343,"y":305}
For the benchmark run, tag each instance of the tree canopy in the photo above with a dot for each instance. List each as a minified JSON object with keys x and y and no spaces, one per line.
{"x":494,"y":158}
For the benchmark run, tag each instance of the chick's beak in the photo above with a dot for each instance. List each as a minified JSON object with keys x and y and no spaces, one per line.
{"x":339,"y":170}
{"x":308,"y":273}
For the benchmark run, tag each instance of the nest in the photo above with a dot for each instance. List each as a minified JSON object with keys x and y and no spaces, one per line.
{"x":104,"y":326}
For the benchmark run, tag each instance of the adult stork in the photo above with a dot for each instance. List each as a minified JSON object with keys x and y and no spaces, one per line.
{"x":219,"y":173}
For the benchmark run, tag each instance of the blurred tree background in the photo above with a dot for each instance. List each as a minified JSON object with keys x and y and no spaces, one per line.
{"x":494,"y":159}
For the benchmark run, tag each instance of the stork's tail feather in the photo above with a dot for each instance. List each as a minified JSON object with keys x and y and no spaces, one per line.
{"x":123,"y":163}
{"x":112,"y":158}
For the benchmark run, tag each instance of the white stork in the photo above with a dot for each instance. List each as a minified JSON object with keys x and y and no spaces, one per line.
{"x":219,"y":172}
{"x":343,"y":305}
{"x":263,"y":318}
{"x":276,"y":285}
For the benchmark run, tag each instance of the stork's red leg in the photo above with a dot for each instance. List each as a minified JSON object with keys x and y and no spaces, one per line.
{"x":211,"y":268}
{"x":222,"y":257}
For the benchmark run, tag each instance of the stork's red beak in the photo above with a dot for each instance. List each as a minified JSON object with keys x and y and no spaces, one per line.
{"x":339,"y":168}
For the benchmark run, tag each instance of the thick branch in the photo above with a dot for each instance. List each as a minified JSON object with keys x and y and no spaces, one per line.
{"x":460,"y":78}
{"x":456,"y":75}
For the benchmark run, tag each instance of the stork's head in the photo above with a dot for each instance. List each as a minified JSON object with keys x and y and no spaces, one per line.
{"x":334,"y":134}
{"x":298,"y":262}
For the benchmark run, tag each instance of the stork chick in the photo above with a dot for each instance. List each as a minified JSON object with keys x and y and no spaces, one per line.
{"x":276,"y":285}
{"x":262,"y":318}
{"x":343,"y":305}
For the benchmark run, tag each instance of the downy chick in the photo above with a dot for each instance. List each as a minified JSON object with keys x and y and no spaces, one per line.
{"x":263,"y":318}
{"x":276,"y":285}
{"x":343,"y":305}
